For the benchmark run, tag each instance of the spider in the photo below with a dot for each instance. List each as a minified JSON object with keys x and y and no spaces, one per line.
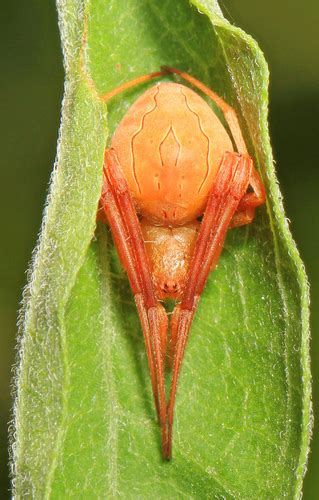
{"x":172,"y":186}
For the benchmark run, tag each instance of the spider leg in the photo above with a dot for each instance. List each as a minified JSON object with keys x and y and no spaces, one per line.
{"x":229,"y":188}
{"x":120,"y":212}
{"x":132,"y":83}
{"x":122,"y":241}
{"x":245,"y":212}
{"x":174,"y":331}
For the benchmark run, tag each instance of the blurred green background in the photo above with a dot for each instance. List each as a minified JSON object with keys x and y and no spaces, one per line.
{"x":31,"y":93}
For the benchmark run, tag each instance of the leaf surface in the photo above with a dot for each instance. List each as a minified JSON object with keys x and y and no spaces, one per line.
{"x":85,"y":422}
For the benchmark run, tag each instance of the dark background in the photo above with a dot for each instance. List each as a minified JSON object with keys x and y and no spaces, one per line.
{"x":31,"y":90}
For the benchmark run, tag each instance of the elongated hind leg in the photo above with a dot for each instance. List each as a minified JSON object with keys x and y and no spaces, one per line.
{"x":122,"y":242}
{"x":229,"y":188}
{"x":118,"y":206}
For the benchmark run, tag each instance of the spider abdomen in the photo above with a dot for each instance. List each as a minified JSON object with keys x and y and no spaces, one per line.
{"x":169,"y":145}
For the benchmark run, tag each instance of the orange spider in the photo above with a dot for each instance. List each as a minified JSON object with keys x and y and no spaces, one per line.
{"x":170,"y":162}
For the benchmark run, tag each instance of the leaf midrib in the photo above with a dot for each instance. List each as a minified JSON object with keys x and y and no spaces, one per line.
{"x":192,"y":55}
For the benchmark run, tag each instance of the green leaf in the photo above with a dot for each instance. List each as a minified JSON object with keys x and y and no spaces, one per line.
{"x":84,"y":418}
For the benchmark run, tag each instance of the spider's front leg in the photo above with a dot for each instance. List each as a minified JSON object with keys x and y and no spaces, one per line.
{"x":229,"y":189}
{"x":118,"y":207}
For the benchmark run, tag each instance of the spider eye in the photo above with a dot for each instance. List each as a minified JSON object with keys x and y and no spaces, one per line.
{"x":169,"y":287}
